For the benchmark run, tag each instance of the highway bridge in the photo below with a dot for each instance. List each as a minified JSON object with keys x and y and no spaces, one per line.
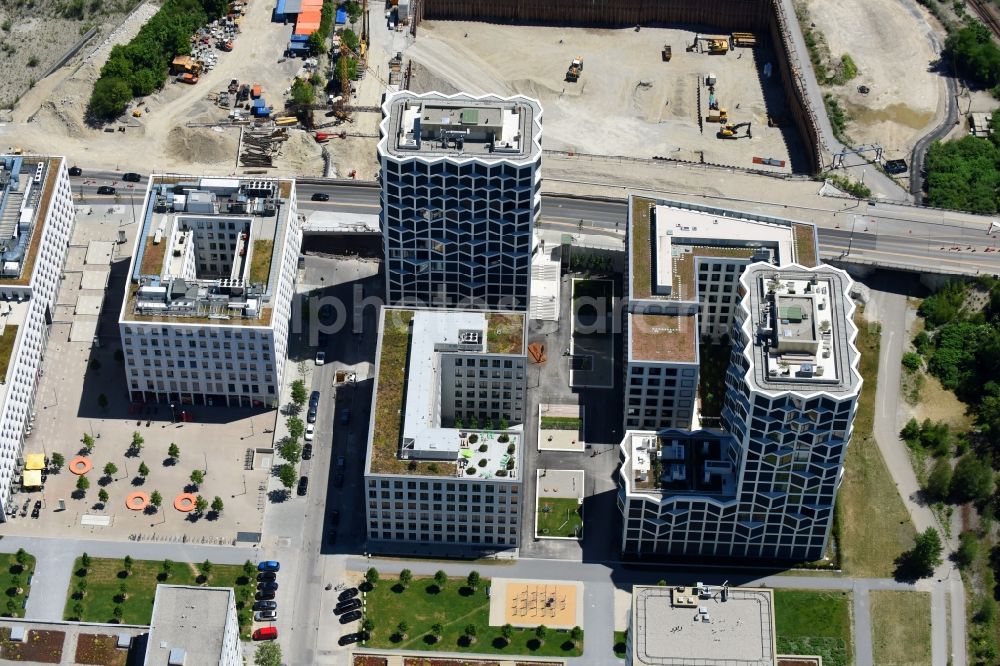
{"x":867,"y":233}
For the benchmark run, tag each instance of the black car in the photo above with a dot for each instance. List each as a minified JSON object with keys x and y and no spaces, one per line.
{"x":353,"y":616}
{"x":345,"y":606}
{"x":335,"y":517}
{"x":269,"y":586}
{"x":264,"y":595}
{"x":266,"y":576}
{"x":314,"y":399}
{"x":348,"y":594}
{"x":303,"y":486}
{"x":311,"y":415}
{"x":320,"y":196}
{"x":265,"y":605}
{"x":339,"y":480}
{"x":105,"y":189}
{"x":347,"y":639}
{"x":75,"y":171}
{"x":307,"y":452}
{"x":131,"y":177}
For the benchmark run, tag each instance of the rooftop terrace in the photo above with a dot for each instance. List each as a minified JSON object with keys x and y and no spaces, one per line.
{"x":674,"y":462}
{"x":437,"y":125}
{"x":688,"y":625}
{"x":27,"y":185}
{"x":658,"y":337}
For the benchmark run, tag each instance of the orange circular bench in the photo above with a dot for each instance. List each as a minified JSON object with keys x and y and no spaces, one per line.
{"x":137,"y":501}
{"x":185,"y":502}
{"x":80,"y":465}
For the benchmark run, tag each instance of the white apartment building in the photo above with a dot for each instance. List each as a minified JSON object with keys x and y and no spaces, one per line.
{"x":36,"y":221}
{"x":461,"y":192}
{"x":765,"y":485}
{"x":206,"y":315}
{"x":684,"y":265}
{"x":194,"y":625}
{"x":443,"y":469}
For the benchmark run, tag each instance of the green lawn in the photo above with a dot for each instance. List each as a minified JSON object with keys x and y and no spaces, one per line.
{"x":814,"y":622}
{"x":14,"y":604}
{"x":901,"y":628}
{"x":106,"y":575}
{"x":619,"y":647}
{"x":422,"y":605}
{"x":558,"y":517}
{"x":561,"y":423}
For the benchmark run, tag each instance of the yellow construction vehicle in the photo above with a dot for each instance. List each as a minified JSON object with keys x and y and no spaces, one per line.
{"x":717,"y":116}
{"x":729,"y":131}
{"x":718,"y":46}
{"x":575,"y":69}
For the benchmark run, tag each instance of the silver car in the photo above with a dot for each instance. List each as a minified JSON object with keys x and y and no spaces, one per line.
{"x":266,"y":616}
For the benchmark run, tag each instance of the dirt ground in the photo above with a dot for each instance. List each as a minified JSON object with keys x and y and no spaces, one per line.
{"x":891,"y":43}
{"x":51,"y":122}
{"x":627,"y":101}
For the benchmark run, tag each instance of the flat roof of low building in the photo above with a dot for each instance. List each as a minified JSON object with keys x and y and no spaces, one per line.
{"x":27,"y":188}
{"x":188,"y":618}
{"x":686,"y":627}
{"x":485,"y":128}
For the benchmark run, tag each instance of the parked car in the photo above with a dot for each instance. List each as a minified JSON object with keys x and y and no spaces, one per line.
{"x":346,"y":606}
{"x":356,"y":637}
{"x":265,"y":605}
{"x":320,"y":196}
{"x":314,"y":399}
{"x":345,"y":415}
{"x":353,"y":616}
{"x":269,"y":565}
{"x":105,"y":189}
{"x":265,"y":576}
{"x":268,"y":586}
{"x":349,"y":593}
{"x":266,"y":616}
{"x":264,"y":594}
{"x":307,"y":452}
{"x":265,"y":634}
{"x":131,"y":177}
{"x":75,"y":171}
{"x":320,"y":358}
{"x":338,"y":480}
{"x":303,"y":486}
{"x":310,"y":432}
{"x":311,"y":415}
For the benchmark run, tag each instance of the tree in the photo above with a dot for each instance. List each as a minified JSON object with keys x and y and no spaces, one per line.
{"x":473,"y":580}
{"x":108,"y":99}
{"x":102,"y":495}
{"x":206,"y":568}
{"x":268,"y":654}
{"x":402,"y":628}
{"x":82,"y":483}
{"x":249,"y":570}
{"x":217,"y":505}
{"x":118,"y":612}
{"x":926,"y":553}
{"x":972,"y":480}
{"x":368,"y":625}
{"x":437,"y":631}
{"x":911,"y":361}
{"x":286,"y":473}
{"x":440,"y":579}
{"x":88,"y":443}
{"x":299,"y":394}
{"x":372,"y":576}
{"x":968,"y":549}
{"x":143,"y":470}
{"x":137,"y":441}
{"x":911,"y":431}
{"x":57,"y":461}
{"x":110,"y":470}
{"x":507,"y":631}
{"x":200,"y":505}
{"x":353,"y":11}
{"x":81,"y":587}
{"x":541,"y":631}
{"x":350,"y":38}
{"x":303,"y":94}
{"x":77,"y":610}
{"x":128,"y":563}
{"x":470,"y":633}
{"x":155,"y":498}
{"x":102,"y":401}
{"x":405,"y":576}
{"x":576,"y":635}
{"x":123,"y":590}
{"x":939,"y":481}
{"x":291,"y":451}
{"x":173,"y":451}
{"x":197,"y":478}
{"x":85,"y":561}
{"x":316,"y":43}
{"x":167,"y":567}
{"x":22,"y":558}
{"x":295,"y":427}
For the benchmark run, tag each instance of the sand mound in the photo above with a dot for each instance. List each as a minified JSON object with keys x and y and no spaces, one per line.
{"x":201,"y":146}
{"x":301,"y":155}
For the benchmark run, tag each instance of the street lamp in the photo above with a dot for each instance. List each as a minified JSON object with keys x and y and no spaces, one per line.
{"x":173,"y":414}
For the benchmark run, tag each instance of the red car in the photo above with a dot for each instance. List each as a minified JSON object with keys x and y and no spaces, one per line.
{"x":265,"y":634}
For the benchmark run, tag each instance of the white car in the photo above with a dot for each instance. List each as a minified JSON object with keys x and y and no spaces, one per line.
{"x":320,"y":358}
{"x":310,"y":432}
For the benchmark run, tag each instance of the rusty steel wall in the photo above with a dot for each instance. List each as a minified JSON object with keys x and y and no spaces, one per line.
{"x":761,"y":16}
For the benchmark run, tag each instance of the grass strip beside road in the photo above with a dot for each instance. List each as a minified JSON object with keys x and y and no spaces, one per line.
{"x":901,"y":627}
{"x":814,"y":622}
{"x":422,"y":605}
{"x":870,"y":541}
{"x":9,"y":568}
{"x":619,"y":646}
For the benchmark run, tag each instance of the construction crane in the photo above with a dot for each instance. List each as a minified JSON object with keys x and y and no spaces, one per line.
{"x":729,"y":131}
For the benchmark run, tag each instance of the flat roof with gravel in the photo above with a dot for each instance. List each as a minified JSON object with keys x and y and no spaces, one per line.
{"x":189,"y":618}
{"x":702,"y":630}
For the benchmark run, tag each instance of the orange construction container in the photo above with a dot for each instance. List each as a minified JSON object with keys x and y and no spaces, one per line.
{"x":255,"y":92}
{"x":309,"y":16}
{"x":305,"y":28}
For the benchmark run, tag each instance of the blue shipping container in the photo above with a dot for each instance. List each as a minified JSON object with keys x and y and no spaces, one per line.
{"x":300,"y":38}
{"x":279,"y":12}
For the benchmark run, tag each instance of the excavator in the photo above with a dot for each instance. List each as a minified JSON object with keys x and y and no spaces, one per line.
{"x":729,"y":131}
